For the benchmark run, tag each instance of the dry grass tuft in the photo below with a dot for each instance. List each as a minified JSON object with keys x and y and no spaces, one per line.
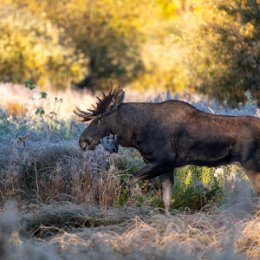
{"x":50,"y":219}
{"x":145,"y":234}
{"x":71,"y":231}
{"x":42,"y":172}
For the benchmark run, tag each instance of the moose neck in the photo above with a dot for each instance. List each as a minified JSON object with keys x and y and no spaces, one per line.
{"x":126,"y":123}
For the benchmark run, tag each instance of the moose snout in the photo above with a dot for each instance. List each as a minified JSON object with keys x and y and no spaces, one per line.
{"x":83,"y":143}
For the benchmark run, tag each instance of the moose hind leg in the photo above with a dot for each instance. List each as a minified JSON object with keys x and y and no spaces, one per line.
{"x":167,"y":181}
{"x":255,"y":180}
{"x":252,"y":169}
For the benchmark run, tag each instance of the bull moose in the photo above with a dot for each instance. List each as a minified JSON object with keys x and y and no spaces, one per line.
{"x":172,"y":134}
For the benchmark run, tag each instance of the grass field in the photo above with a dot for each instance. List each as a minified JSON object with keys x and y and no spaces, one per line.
{"x":57,"y":202}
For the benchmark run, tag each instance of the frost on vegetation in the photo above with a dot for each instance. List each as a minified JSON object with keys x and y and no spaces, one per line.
{"x":126,"y":234}
{"x":42,"y":163}
{"x":238,"y":195}
{"x":57,"y":171}
{"x":13,"y":246}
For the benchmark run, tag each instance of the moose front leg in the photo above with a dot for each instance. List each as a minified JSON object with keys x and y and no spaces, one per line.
{"x":254,"y":177}
{"x":167,"y":181}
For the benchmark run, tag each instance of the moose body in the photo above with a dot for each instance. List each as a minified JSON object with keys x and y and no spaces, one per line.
{"x":173,"y":134}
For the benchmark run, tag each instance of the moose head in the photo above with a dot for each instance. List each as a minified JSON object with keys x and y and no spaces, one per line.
{"x":100,"y":115}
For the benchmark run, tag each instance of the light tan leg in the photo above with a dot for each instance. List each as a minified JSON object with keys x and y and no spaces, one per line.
{"x":167,"y":181}
{"x":254,"y":177}
{"x":252,"y":169}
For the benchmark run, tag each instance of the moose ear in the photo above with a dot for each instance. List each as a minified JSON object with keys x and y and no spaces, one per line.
{"x":119,"y":97}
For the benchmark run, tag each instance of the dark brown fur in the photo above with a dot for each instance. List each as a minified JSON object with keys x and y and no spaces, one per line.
{"x":173,"y":134}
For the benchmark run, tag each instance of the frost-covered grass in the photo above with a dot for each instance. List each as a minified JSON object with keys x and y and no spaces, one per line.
{"x":83,"y":232}
{"x":71,"y":204}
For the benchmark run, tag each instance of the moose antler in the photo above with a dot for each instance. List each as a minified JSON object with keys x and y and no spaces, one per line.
{"x":104,"y":105}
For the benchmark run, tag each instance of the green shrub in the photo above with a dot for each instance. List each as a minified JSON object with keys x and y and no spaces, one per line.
{"x":195,"y":187}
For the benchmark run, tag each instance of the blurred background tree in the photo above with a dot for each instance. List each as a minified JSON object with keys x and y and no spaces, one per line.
{"x":108,"y":32}
{"x":32,"y":47}
{"x":225,"y":50}
{"x":186,"y":45}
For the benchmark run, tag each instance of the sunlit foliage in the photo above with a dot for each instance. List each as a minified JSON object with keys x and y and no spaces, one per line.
{"x":31,"y":47}
{"x":110,"y":33}
{"x":207,"y":46}
{"x":224,"y":50}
